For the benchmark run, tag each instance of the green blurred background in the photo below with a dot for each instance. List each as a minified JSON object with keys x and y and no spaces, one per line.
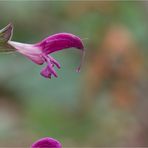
{"x":103,"y":105}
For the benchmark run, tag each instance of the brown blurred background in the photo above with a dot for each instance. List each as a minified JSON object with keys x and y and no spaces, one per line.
{"x":104,"y":105}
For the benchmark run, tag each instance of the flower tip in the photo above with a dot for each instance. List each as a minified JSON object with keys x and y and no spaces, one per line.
{"x":46,"y":142}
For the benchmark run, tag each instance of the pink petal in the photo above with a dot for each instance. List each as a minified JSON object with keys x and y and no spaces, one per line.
{"x":61,"y":41}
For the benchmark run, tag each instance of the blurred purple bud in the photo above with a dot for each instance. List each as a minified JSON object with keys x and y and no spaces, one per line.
{"x":46,"y":142}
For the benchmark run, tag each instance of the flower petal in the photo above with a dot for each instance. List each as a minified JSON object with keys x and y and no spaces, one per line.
{"x":29,"y":50}
{"x":46,"y":142}
{"x":61,"y":41}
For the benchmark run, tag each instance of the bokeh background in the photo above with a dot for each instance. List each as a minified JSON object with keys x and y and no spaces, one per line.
{"x":106,"y":104}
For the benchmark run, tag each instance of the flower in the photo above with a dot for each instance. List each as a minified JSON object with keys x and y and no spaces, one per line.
{"x":40,"y":52}
{"x":46,"y":142}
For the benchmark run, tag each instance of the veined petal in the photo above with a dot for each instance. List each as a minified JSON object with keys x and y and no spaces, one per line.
{"x":46,"y":142}
{"x":61,"y":41}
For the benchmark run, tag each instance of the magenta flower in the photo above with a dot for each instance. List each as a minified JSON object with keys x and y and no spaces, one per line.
{"x":46,"y":142}
{"x":40,"y":52}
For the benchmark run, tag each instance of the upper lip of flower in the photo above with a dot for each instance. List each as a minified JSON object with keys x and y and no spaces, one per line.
{"x":39,"y":52}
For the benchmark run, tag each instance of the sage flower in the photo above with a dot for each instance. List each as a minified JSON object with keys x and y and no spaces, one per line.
{"x":40,"y":52}
{"x":46,"y":142}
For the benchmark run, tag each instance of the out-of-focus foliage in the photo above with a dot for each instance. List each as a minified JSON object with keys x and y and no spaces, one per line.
{"x":105,"y":104}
